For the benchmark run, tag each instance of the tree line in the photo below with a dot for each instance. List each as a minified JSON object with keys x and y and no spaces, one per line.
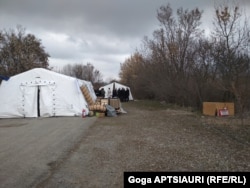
{"x":85,"y":72}
{"x":180,"y":64}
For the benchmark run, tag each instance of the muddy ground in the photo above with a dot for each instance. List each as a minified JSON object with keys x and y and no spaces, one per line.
{"x":146,"y":138}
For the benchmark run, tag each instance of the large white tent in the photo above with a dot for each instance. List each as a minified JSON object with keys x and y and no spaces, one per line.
{"x":115,"y":85}
{"x":44,"y":93}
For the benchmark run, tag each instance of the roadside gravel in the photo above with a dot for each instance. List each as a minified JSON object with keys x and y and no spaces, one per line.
{"x":95,"y":152}
{"x":148,"y":139}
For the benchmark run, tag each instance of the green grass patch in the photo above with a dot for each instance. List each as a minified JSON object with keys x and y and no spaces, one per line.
{"x":153,"y":105}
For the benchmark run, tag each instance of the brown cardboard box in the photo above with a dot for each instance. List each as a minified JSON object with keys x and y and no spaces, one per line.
{"x":115,"y":103}
{"x":212,"y":108}
{"x":104,"y":101}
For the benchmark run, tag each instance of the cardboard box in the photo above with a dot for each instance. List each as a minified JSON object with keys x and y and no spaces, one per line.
{"x":214,"y":108}
{"x":115,"y":103}
{"x":104,"y":101}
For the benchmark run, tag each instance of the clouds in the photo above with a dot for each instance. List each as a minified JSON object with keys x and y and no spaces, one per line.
{"x":126,"y":18}
{"x":102,"y":32}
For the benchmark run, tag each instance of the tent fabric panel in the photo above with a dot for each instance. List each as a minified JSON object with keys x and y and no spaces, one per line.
{"x":47,"y":97}
{"x":10,"y":101}
{"x":29,"y":101}
{"x":69,"y":106}
{"x":106,"y":87}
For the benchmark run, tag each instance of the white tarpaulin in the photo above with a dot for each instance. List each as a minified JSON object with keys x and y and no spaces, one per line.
{"x":40,"y":92}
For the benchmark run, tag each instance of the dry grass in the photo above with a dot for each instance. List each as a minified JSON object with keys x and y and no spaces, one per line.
{"x":157,"y":137}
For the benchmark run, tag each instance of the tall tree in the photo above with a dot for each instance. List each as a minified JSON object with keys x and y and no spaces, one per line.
{"x":20,"y":52}
{"x":231,"y":54}
{"x":169,"y":56}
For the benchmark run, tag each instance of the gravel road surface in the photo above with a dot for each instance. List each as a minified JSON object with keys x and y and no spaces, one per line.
{"x":30,"y":149}
{"x":95,"y":152}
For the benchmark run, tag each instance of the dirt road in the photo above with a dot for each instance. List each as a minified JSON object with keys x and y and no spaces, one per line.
{"x":64,"y":152}
{"x":31,"y":148}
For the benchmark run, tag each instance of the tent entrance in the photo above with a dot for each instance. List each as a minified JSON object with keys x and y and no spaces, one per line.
{"x":29,"y":101}
{"x":38,"y":100}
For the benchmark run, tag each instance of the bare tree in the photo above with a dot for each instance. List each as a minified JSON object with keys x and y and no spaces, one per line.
{"x":84,"y":72}
{"x":20,"y":52}
{"x":172,"y":53}
{"x":162,"y":69}
{"x":180,"y":65}
{"x":232,"y":53}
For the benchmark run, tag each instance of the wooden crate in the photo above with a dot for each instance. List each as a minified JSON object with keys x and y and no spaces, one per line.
{"x":115,"y":103}
{"x":104,"y":101}
{"x":212,"y":108}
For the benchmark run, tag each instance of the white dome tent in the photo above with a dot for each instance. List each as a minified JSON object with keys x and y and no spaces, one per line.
{"x":42,"y":93}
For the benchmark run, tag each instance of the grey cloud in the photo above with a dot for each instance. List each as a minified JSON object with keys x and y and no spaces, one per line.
{"x":101,"y":31}
{"x":111,"y":16}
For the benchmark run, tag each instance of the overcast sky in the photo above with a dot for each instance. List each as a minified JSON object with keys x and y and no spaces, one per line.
{"x":101,"y":32}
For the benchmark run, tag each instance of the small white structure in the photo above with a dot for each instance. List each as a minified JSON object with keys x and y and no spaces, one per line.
{"x":42,"y":93}
{"x":116,"y":86}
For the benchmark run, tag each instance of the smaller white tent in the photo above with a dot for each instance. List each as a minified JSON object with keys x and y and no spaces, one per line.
{"x":115,"y":85}
{"x":44,"y":93}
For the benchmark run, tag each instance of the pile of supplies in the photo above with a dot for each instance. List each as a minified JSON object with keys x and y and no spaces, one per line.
{"x":102,"y":107}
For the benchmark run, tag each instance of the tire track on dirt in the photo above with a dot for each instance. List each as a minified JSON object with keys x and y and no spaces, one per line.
{"x":54,"y":166}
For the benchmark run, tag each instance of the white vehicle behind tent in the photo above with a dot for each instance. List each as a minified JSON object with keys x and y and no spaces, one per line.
{"x":42,"y":93}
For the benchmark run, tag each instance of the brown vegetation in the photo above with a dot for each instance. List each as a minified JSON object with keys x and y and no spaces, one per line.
{"x":20,"y":52}
{"x":183,"y":66}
